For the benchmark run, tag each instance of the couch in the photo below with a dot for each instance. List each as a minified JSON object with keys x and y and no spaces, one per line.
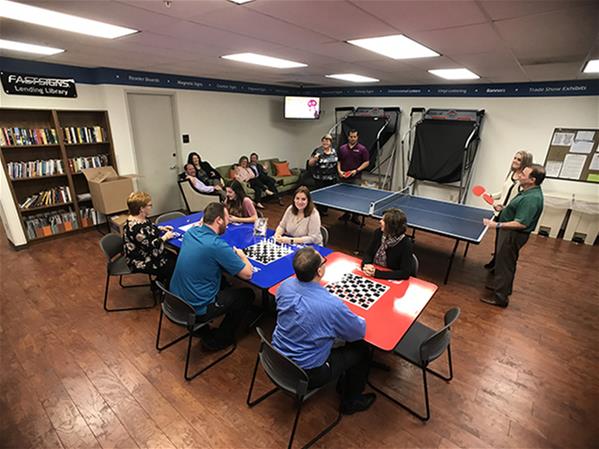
{"x":284,"y":183}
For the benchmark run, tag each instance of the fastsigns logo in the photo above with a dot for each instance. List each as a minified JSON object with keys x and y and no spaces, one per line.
{"x":36,"y":81}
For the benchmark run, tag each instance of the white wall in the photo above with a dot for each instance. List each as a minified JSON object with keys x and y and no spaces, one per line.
{"x":223,"y":126}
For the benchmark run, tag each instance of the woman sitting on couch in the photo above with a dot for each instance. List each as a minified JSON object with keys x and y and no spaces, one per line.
{"x":244,"y":173}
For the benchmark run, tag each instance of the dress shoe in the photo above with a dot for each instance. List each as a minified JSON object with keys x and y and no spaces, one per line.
{"x":359,"y":404}
{"x":268,"y":192}
{"x":490,"y":265}
{"x":495,"y":301}
{"x":211,"y":343}
{"x":259,"y":205}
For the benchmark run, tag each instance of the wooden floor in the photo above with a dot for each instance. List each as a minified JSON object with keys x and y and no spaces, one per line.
{"x":75,"y":376}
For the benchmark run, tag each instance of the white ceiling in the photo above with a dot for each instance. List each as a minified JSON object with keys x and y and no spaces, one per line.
{"x":500,"y":40}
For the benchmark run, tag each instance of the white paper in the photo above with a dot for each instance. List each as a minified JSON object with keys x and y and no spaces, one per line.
{"x":582,"y":146}
{"x":594,"y":162}
{"x":553,"y":168}
{"x":187,"y":227}
{"x":563,"y":139}
{"x":573,"y":164}
{"x":585,"y":135}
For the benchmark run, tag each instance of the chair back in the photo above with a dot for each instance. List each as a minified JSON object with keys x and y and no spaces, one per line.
{"x":176,"y":309}
{"x":283,"y":372}
{"x":169,"y":216}
{"x":434,"y":346}
{"x":111,"y":245}
{"x":415,"y":265}
{"x":325,"y":235}
{"x":194,"y":200}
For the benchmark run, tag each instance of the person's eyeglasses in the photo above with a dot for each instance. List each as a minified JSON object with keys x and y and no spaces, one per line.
{"x":322,"y":262}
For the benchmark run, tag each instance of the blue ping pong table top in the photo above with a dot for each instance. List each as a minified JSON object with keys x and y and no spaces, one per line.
{"x":241,"y":236}
{"x":445,"y":218}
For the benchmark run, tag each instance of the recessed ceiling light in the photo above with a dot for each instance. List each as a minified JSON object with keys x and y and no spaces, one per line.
{"x":29,"y":48}
{"x":592,"y":66}
{"x":241,"y":2}
{"x":397,"y":47}
{"x":65,"y":22}
{"x":455,"y":74}
{"x":353,"y":78}
{"x":268,"y":61}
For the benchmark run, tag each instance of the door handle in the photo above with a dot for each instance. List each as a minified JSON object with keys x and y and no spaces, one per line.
{"x":173,"y":167}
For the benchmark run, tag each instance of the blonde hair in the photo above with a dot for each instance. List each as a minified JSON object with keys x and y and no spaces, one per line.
{"x":327,"y":137}
{"x":137,"y":201}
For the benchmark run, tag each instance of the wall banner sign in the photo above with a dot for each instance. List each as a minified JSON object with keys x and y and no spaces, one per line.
{"x":39,"y":86}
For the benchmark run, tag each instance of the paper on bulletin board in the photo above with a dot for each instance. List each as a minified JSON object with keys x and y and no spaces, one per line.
{"x":593,"y":177}
{"x":562,"y":139}
{"x":585,"y":135}
{"x":573,"y":165}
{"x":594,"y":162}
{"x":582,"y":146}
{"x":552,"y":168}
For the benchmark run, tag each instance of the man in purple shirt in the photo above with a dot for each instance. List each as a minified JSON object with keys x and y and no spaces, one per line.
{"x":309,"y":319}
{"x":353,"y":159}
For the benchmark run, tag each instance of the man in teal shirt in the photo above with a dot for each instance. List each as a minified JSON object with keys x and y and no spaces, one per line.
{"x":203,"y":257}
{"x":516,"y":221}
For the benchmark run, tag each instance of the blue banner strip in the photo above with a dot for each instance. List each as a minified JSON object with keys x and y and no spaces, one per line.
{"x":102,"y":75}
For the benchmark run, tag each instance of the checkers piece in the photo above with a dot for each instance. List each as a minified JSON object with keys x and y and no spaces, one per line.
{"x":357,"y":290}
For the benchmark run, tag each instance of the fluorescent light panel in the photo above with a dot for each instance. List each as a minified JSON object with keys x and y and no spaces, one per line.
{"x":455,"y":74}
{"x":353,"y":78}
{"x":29,"y":48}
{"x":396,"y":47}
{"x":592,"y":66}
{"x":268,"y":61}
{"x":58,"y":20}
{"x":241,"y":2}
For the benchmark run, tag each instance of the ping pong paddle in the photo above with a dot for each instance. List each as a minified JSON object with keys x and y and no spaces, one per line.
{"x":479,"y":190}
{"x":347,"y":174}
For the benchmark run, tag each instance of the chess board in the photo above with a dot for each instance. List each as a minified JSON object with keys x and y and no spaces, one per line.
{"x":357,"y":290}
{"x":267,"y":251}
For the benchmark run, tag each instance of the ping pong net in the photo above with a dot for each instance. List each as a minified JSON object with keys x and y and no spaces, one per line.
{"x":376,"y":207}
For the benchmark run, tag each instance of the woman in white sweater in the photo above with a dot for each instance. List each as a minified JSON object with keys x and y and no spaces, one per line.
{"x":301,"y":221}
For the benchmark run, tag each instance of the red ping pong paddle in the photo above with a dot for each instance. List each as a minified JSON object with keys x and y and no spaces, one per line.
{"x":479,"y":190}
{"x":347,"y":174}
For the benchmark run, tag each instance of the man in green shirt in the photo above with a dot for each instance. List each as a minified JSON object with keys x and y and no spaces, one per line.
{"x":516,"y":221}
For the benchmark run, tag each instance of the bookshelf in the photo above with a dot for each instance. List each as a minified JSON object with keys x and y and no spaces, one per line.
{"x":44,"y":151}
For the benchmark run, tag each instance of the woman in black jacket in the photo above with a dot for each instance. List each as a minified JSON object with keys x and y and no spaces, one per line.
{"x":390,"y":248}
{"x":204,"y":171}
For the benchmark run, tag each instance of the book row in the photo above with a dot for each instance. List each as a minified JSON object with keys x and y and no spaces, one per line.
{"x":50,"y":197}
{"x":28,"y":136}
{"x":56,"y":222}
{"x":87,"y":134}
{"x":90,"y":217}
{"x":34,"y":169}
{"x":77,"y":164}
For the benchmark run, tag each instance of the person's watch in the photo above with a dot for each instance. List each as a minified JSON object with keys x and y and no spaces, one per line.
{"x":291,"y":240}
{"x":498,"y":225}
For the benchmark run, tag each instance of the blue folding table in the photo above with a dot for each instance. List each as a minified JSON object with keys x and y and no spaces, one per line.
{"x":453,"y":220}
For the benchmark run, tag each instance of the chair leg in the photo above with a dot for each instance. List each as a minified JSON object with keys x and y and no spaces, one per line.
{"x":450,"y":365}
{"x":124,"y":309}
{"x":249,"y":401}
{"x":300,"y":402}
{"x":323,"y":432}
{"x":169,"y":344}
{"x":210,"y":365}
{"x":134,"y":285}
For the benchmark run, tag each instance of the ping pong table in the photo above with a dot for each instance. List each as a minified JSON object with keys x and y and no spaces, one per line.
{"x":457,"y":221}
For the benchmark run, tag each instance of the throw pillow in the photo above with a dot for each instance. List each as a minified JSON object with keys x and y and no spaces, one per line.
{"x":282,"y":168}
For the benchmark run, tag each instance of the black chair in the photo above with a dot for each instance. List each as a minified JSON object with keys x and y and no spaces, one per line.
{"x":169,"y":216}
{"x":183,"y":314}
{"x":416,"y":265}
{"x":421,"y":346}
{"x":289,"y":378}
{"x":112,"y":247}
{"x":325,"y":235}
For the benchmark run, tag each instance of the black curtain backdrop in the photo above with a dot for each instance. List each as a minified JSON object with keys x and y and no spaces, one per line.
{"x":367,"y":128}
{"x":439,"y":150}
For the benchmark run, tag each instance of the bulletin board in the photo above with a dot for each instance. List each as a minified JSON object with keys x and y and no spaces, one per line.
{"x":573,"y":155}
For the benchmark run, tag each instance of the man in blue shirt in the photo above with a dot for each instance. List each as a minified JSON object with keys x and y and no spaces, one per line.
{"x":197,"y":277}
{"x":308,"y":322}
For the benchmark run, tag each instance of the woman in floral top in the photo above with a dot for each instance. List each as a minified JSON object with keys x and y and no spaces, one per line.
{"x":144,"y":247}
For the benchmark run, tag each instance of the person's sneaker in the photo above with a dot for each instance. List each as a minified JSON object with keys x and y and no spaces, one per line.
{"x":495,"y":301}
{"x":259,"y":205}
{"x":268,"y":192}
{"x":359,"y":404}
{"x":212,"y":344}
{"x":344,"y":217}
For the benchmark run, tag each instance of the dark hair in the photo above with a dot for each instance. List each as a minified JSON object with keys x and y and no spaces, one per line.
{"x":254,"y":154}
{"x":353,"y":131}
{"x":538,"y":173}
{"x":235,"y":206}
{"x":306,"y":263}
{"x":188,"y":164}
{"x":242,"y":158}
{"x":395,"y":222}
{"x":190,"y":158}
{"x":309,"y":207}
{"x":214,"y":211}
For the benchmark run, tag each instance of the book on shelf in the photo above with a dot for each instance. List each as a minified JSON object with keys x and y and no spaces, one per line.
{"x":89,"y":216}
{"x":35,"y":169}
{"x":49,"y":223}
{"x":84,"y":134}
{"x":77,"y":164}
{"x":28,"y":136}
{"x":50,"y":197}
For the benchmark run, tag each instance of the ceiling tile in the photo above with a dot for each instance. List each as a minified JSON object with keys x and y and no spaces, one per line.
{"x":454,"y":41}
{"x":502,"y":9}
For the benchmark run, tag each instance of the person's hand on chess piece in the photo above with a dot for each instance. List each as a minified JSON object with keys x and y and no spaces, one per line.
{"x":241,"y":254}
{"x":165,"y":228}
{"x":282,"y":239}
{"x":368,"y":269}
{"x":168,"y":235}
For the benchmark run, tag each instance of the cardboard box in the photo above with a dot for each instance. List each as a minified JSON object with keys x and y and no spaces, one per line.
{"x":109,"y":191}
{"x":117,"y":222}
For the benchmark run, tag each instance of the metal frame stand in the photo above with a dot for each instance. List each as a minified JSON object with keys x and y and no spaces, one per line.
{"x":124,"y":309}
